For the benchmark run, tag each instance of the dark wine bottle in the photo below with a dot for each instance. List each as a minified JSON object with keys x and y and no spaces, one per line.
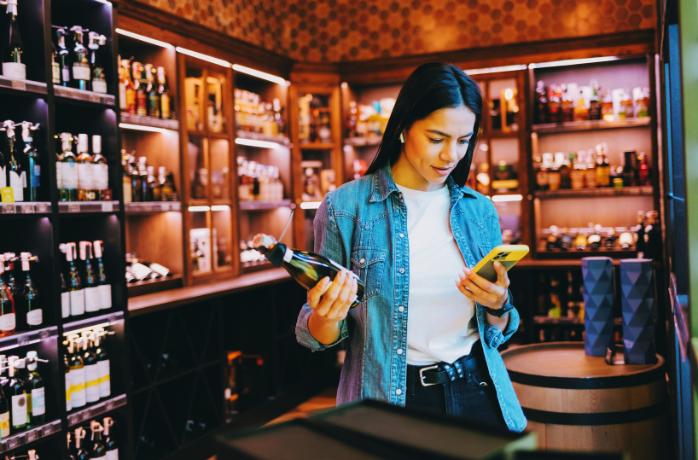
{"x":306,"y":268}
{"x":98,"y":450}
{"x":35,"y":390}
{"x":62,"y":55}
{"x":82,"y":74}
{"x":12,"y":66}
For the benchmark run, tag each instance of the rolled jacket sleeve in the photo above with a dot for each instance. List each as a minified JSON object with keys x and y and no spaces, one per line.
{"x":328,"y":242}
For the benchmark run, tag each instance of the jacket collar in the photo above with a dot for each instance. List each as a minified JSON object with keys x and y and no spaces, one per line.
{"x":384,"y":185}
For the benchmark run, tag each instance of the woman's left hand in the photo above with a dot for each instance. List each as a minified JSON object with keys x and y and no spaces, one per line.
{"x":482,"y":291}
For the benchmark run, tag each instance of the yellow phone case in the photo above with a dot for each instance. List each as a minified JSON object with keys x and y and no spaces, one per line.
{"x":506,"y":254}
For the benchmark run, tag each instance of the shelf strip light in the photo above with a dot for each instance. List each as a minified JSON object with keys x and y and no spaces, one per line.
{"x":310,"y":204}
{"x":257,"y":143}
{"x":504,"y":68}
{"x":149,"y":129}
{"x":199,"y":208}
{"x":259,"y":74}
{"x":220,"y":207}
{"x":567,"y":62}
{"x":507,"y":198}
{"x":143,"y":38}
{"x":204,"y":57}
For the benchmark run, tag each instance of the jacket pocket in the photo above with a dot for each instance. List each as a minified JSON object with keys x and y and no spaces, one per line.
{"x":369,"y":265}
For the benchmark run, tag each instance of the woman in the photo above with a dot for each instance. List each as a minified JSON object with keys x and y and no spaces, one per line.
{"x":427,"y":331}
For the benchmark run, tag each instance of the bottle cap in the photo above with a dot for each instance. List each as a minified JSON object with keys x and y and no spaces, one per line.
{"x":97,"y":143}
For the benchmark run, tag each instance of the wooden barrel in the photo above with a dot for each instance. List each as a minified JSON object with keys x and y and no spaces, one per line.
{"x":578,"y":402}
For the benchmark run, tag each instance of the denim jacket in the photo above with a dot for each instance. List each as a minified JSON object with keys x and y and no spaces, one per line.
{"x":363,"y":225}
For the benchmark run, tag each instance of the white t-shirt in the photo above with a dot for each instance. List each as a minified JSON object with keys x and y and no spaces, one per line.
{"x":441,"y":320}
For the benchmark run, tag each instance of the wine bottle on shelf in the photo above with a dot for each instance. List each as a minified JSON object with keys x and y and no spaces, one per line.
{"x":103,"y":364}
{"x":306,"y":268}
{"x":12,"y":66}
{"x":5,"y":407}
{"x":85,"y":170}
{"x":32,"y":306}
{"x":91,"y":371}
{"x":8,"y":322}
{"x":62,"y":56}
{"x":125,"y":178}
{"x":139,"y":88}
{"x":98,"y":451}
{"x":103,"y":285}
{"x":78,"y":398}
{"x":69,"y":445}
{"x":16,"y":176}
{"x":151,"y":91}
{"x":18,"y":395}
{"x":136,"y":187}
{"x":5,"y":190}
{"x":145,"y":192}
{"x":89,"y":280}
{"x":153,"y":189}
{"x":67,"y":169}
{"x":65,"y":296}
{"x":75,"y":287}
{"x":129,"y":91}
{"x":81,"y":75}
{"x":101,"y":170}
{"x":80,"y":452}
{"x":68,"y":377}
{"x":164,"y":94}
{"x":112,"y":448}
{"x":32,"y":167}
{"x":95,"y":41}
{"x":35,"y":389}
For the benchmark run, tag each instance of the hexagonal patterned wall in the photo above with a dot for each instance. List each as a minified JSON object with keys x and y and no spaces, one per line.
{"x":350,"y":30}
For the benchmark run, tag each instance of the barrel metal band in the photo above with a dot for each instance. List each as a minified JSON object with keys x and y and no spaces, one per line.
{"x":598,"y":418}
{"x":588,"y":383}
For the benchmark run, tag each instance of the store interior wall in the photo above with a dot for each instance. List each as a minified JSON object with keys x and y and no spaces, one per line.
{"x":331,"y":31}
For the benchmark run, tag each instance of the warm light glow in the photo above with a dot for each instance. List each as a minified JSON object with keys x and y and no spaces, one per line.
{"x":506,"y":198}
{"x":504,"y":68}
{"x":566,"y":62}
{"x":149,"y":129}
{"x":509,"y":94}
{"x":259,"y":74}
{"x":257,"y":143}
{"x":344,"y":85}
{"x":310,"y":204}
{"x":78,"y":331}
{"x":204,"y":57}
{"x":199,"y":208}
{"x":220,"y":207}
{"x":143,"y":38}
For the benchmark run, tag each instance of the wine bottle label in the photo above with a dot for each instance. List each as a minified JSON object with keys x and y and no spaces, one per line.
{"x":92,"y":383}
{"x":122,"y":96}
{"x":104,"y":379}
{"x":81,"y":71}
{"x":8,"y":322}
{"x":105,"y":296}
{"x":35,"y":317}
{"x":288,"y":255}
{"x":65,"y":75}
{"x":113,"y":454}
{"x":4,"y":425}
{"x":65,"y":304}
{"x":7,"y":195}
{"x":77,"y":302}
{"x":17,"y":183}
{"x":3,"y":177}
{"x":69,"y":391}
{"x":99,"y":86}
{"x":56,"y":73}
{"x":38,"y":402}
{"x":85,"y":176}
{"x":101,"y":176}
{"x":165,"y":106}
{"x":69,"y":175}
{"x":93,"y":300}
{"x":14,"y":70}
{"x":77,"y":393}
{"x":20,"y":415}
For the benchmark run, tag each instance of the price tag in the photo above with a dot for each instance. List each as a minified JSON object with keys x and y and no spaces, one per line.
{"x":107,"y":206}
{"x":40,"y":208}
{"x":32,"y":436}
{"x":12,"y":443}
{"x":9,"y":208}
{"x":74,"y":207}
{"x":92,"y":97}
{"x":19,"y":84}
{"x":27,"y":208}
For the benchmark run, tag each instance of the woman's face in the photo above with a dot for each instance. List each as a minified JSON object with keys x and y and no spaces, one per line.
{"x":433,"y":147}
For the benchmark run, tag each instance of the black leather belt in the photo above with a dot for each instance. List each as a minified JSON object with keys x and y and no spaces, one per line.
{"x":438,"y":374}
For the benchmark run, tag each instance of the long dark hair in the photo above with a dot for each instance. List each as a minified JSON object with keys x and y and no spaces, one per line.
{"x":429,"y":88}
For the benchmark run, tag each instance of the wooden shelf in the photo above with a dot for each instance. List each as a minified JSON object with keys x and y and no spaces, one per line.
{"x":84,"y":96}
{"x":25,"y":338}
{"x":146,"y":287}
{"x":316,"y":146}
{"x":105,"y":316}
{"x":645,"y":190}
{"x":153,"y":207}
{"x":23,"y":86}
{"x":590,"y":125}
{"x":502,"y":135}
{"x":88,"y":207}
{"x":208,"y":134}
{"x":149,"y":122}
{"x":32,"y":435}
{"x":26,"y":207}
{"x":265,"y":205}
{"x":250,"y":267}
{"x":282,"y":140}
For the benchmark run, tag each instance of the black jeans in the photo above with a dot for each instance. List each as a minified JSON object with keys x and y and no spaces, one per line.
{"x":472,"y":398}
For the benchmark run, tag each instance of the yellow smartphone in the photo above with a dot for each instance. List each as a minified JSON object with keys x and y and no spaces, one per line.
{"x":506,"y":254}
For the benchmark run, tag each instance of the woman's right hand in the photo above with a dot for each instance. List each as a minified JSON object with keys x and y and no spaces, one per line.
{"x":331,"y":300}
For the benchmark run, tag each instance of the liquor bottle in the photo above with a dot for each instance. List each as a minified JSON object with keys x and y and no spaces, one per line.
{"x":640,"y":234}
{"x":32,"y":167}
{"x":112,"y":447}
{"x":89,"y":280}
{"x":62,"y":55}
{"x":68,"y":377}
{"x":98,"y":450}
{"x":8,"y":322}
{"x":145,"y":192}
{"x":77,"y":374}
{"x":139,"y":88}
{"x":541,"y":102}
{"x":154,"y":191}
{"x":77,"y":293}
{"x":7,"y":193}
{"x":81,"y":75}
{"x":18,"y":395}
{"x":12,"y":66}
{"x":164,"y":94}
{"x":643,"y":172}
{"x":136,"y":187}
{"x":306,"y":268}
{"x":91,"y":371}
{"x":595,"y":101}
{"x":167,"y":193}
{"x":36,"y":391}
{"x":101,"y":170}
{"x":653,"y":238}
{"x":65,"y":297}
{"x":80,"y":452}
{"x":129,"y":89}
{"x":151,"y":91}
{"x":32,"y":306}
{"x":16,"y":175}
{"x":103,"y":285}
{"x":5,"y":409}
{"x":95,"y":41}
{"x":125,"y":178}
{"x":86,"y":173}
{"x":103,"y":364}
{"x":67,"y":169}
{"x":629,"y":168}
{"x":69,"y":446}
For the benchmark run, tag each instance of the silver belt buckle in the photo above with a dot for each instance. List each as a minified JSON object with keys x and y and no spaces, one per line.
{"x":421,"y":375}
